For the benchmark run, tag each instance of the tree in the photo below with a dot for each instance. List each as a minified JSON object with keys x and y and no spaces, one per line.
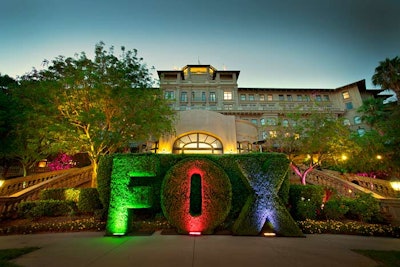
{"x":107,"y":103}
{"x":34,"y":134}
{"x":373,"y":111}
{"x":319,"y":135}
{"x":387,"y":75}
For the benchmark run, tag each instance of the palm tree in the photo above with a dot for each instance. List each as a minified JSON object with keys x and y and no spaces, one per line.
{"x":387,"y":75}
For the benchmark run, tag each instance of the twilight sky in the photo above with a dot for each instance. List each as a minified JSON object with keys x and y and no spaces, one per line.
{"x":278,"y":43}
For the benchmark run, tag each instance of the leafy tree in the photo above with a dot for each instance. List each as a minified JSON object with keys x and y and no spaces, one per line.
{"x":34,"y":134}
{"x":107,"y":103}
{"x":373,"y":111}
{"x":387,"y":75}
{"x":319,"y":135}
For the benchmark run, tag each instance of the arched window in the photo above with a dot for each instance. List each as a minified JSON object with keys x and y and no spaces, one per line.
{"x":197,"y":143}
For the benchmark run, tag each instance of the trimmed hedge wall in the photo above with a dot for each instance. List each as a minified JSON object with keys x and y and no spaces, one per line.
{"x":121,"y":175}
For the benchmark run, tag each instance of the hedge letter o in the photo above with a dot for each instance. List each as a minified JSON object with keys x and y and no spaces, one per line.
{"x":202,"y":207}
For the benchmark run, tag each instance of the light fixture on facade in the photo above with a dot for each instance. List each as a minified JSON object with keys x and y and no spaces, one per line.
{"x":395,"y":184}
{"x":1,"y":183}
{"x":42,"y":163}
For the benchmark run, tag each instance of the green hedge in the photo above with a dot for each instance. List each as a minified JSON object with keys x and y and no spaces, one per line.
{"x":305,"y":201}
{"x":89,"y":200}
{"x":41,"y":208}
{"x":155,"y":167}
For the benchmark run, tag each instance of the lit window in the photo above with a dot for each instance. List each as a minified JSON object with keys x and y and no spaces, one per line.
{"x":272,"y":134}
{"x":169,"y":95}
{"x":357,"y":120}
{"x":281,"y":98}
{"x":346,"y":122}
{"x":349,"y":105}
{"x":243,"y":97}
{"x":251,"y":97}
{"x":262,"y":121}
{"x":184,"y":97}
{"x":228,"y":95}
{"x":262,"y":97}
{"x":289,"y":98}
{"x":212,"y":97}
{"x":346,"y":95}
{"x":269,"y":98}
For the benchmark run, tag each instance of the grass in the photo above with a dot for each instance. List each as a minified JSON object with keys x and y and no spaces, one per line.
{"x":385,"y":258}
{"x":9,"y":254}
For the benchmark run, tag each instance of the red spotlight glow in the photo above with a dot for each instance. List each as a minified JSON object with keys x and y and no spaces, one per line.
{"x":194,"y":233}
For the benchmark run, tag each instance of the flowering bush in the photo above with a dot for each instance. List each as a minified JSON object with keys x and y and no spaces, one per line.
{"x":61,"y":162}
{"x":86,"y":224}
{"x":353,"y":228}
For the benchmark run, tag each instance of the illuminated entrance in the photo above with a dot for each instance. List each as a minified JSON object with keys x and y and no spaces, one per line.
{"x":197,"y":143}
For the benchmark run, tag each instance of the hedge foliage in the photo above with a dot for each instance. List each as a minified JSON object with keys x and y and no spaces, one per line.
{"x":306,"y":201}
{"x":41,"y":208}
{"x":119,"y":198}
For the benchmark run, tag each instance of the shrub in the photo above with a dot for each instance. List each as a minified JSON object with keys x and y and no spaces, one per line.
{"x":89,"y":200}
{"x":69,"y":194}
{"x":335,"y":209}
{"x":305,"y":201}
{"x":41,"y":208}
{"x":364,"y":207}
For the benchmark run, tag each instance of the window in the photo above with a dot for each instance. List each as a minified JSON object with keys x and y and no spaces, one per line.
{"x":269,"y":98}
{"x":346,"y":95}
{"x":326,"y":98}
{"x":262,"y":121}
{"x":299,"y":98}
{"x":318,"y":98}
{"x":272,"y":134}
{"x":228,"y":107}
{"x":346,"y":122}
{"x":281,"y":98}
{"x":264,"y":135}
{"x":271,"y":121}
{"x":228,"y":95}
{"x":307,"y":98}
{"x":349,"y":105}
{"x":212,"y":97}
{"x":203,"y":96}
{"x":169,"y":95}
{"x":243,"y":97}
{"x":193,"y":96}
{"x":251,"y":97}
{"x":357,"y":120}
{"x":254,"y":121}
{"x":361,"y":131}
{"x":289,"y":98}
{"x":262,"y":97}
{"x":184,"y":97}
{"x":198,"y":143}
{"x":285,"y":123}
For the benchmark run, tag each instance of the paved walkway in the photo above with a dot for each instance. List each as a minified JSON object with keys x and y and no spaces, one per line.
{"x":93,"y":249}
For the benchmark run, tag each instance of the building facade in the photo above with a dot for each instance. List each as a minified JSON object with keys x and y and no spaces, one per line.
{"x":215,"y":115}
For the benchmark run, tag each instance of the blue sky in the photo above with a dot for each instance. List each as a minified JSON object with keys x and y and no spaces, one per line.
{"x":283,"y":43}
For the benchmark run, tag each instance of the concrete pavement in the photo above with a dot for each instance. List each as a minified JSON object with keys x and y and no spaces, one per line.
{"x":93,"y":249}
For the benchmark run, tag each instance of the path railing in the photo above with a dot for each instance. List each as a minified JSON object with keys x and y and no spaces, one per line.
{"x":350,"y":186}
{"x":70,"y":178}
{"x":14,"y":185}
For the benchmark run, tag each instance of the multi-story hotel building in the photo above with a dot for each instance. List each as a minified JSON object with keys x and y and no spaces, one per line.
{"x":214,"y":115}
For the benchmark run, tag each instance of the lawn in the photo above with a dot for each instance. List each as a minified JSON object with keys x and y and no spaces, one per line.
{"x":9,"y":254}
